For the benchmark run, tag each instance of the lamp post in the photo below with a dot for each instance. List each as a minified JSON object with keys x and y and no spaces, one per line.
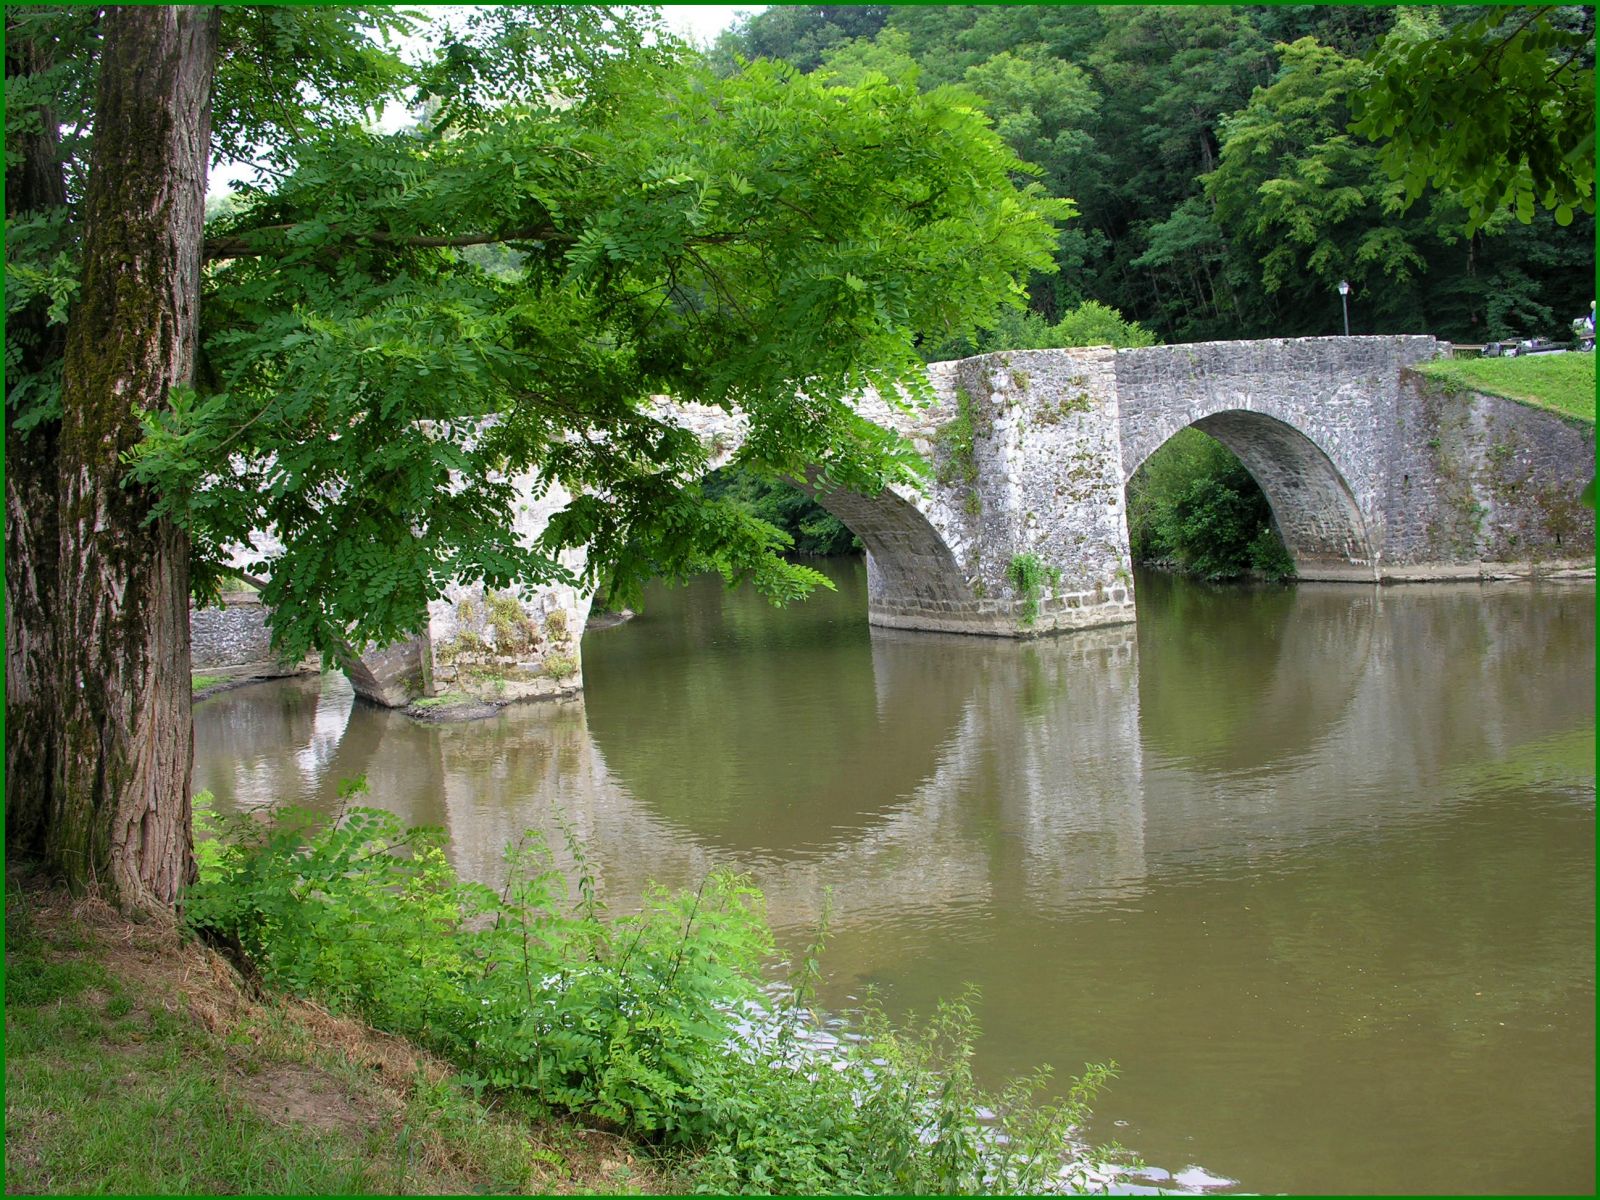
{"x":1344,"y":302}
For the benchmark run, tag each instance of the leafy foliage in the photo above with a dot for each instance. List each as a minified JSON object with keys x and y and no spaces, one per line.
{"x":801,"y":34}
{"x":657,"y":1022}
{"x":729,"y":242}
{"x":1094,"y":324}
{"x":1193,"y":506}
{"x":1129,"y":110}
{"x":398,"y":327}
{"x":1499,"y":109}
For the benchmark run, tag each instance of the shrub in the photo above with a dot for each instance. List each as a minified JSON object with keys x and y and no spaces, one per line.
{"x":519,"y":987}
{"x":1193,"y":506}
{"x":657,"y":1022}
{"x":896,"y":1113}
{"x":514,"y":632}
{"x":1089,"y":324}
{"x":1096,"y":324}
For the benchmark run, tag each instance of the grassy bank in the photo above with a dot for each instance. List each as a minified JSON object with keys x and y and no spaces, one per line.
{"x":137,"y":1062}
{"x":1562,"y":383}
{"x":371,"y":966}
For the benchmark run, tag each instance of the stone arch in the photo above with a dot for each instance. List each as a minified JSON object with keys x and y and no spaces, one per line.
{"x":1313,"y":506}
{"x":913,"y":579}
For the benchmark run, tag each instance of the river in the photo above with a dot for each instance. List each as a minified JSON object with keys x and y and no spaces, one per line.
{"x":1315,"y":865}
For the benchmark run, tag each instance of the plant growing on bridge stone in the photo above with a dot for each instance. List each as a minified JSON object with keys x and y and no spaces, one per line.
{"x":957,"y":462}
{"x":514,"y":631}
{"x":559,"y":666}
{"x":555,"y":624}
{"x":1029,"y":573}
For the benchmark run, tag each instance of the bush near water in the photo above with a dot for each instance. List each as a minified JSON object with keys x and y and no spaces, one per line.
{"x":1192,"y":507}
{"x":661,"y":1023}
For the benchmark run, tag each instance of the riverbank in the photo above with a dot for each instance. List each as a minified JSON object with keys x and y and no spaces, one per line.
{"x":139,"y":1062}
{"x":655,"y":1027}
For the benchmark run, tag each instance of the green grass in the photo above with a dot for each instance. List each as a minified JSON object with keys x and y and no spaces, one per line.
{"x":1562,"y":383}
{"x":448,"y":700}
{"x":133,"y":1066}
{"x":199,"y":683}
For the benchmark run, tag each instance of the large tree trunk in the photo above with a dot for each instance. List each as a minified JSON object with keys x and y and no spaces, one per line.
{"x":34,"y":183}
{"x":120,"y":816}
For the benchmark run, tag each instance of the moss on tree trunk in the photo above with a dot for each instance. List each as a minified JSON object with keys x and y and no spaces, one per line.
{"x":120,"y":814}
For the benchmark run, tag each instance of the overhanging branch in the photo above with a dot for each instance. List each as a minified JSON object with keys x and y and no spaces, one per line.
{"x":246,"y":246}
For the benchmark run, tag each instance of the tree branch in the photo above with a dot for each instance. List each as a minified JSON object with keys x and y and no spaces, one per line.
{"x":243,"y":246}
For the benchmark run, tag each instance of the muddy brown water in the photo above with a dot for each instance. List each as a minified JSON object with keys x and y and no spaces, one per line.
{"x":1314,"y":865}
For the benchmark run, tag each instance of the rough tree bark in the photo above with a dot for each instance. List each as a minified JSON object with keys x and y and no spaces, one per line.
{"x":120,"y":815}
{"x":33,"y":183}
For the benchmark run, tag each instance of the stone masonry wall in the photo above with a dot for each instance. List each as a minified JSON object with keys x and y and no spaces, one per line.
{"x":524,"y":643}
{"x":518,"y":644}
{"x":1478,"y":479}
{"x":1048,"y":491}
{"x":233,"y":640}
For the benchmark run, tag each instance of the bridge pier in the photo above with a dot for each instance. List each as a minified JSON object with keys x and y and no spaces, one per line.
{"x":1022,"y":529}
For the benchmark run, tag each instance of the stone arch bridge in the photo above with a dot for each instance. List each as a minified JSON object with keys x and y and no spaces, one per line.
{"x":1372,"y":474}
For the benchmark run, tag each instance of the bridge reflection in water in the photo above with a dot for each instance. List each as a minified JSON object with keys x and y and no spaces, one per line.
{"x":1321,"y":838}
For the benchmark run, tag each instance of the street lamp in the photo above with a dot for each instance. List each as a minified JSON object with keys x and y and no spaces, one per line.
{"x":1344,"y":301}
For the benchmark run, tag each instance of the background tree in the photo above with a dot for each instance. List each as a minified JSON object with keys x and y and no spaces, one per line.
{"x":1498,"y":109}
{"x":797,"y":33}
{"x":1304,"y":204}
{"x":1126,"y":110}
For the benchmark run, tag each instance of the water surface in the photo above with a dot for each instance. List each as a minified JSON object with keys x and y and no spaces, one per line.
{"x":1315,"y":866}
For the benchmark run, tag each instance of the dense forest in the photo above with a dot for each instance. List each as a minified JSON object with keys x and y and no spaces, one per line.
{"x":1220,"y":190}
